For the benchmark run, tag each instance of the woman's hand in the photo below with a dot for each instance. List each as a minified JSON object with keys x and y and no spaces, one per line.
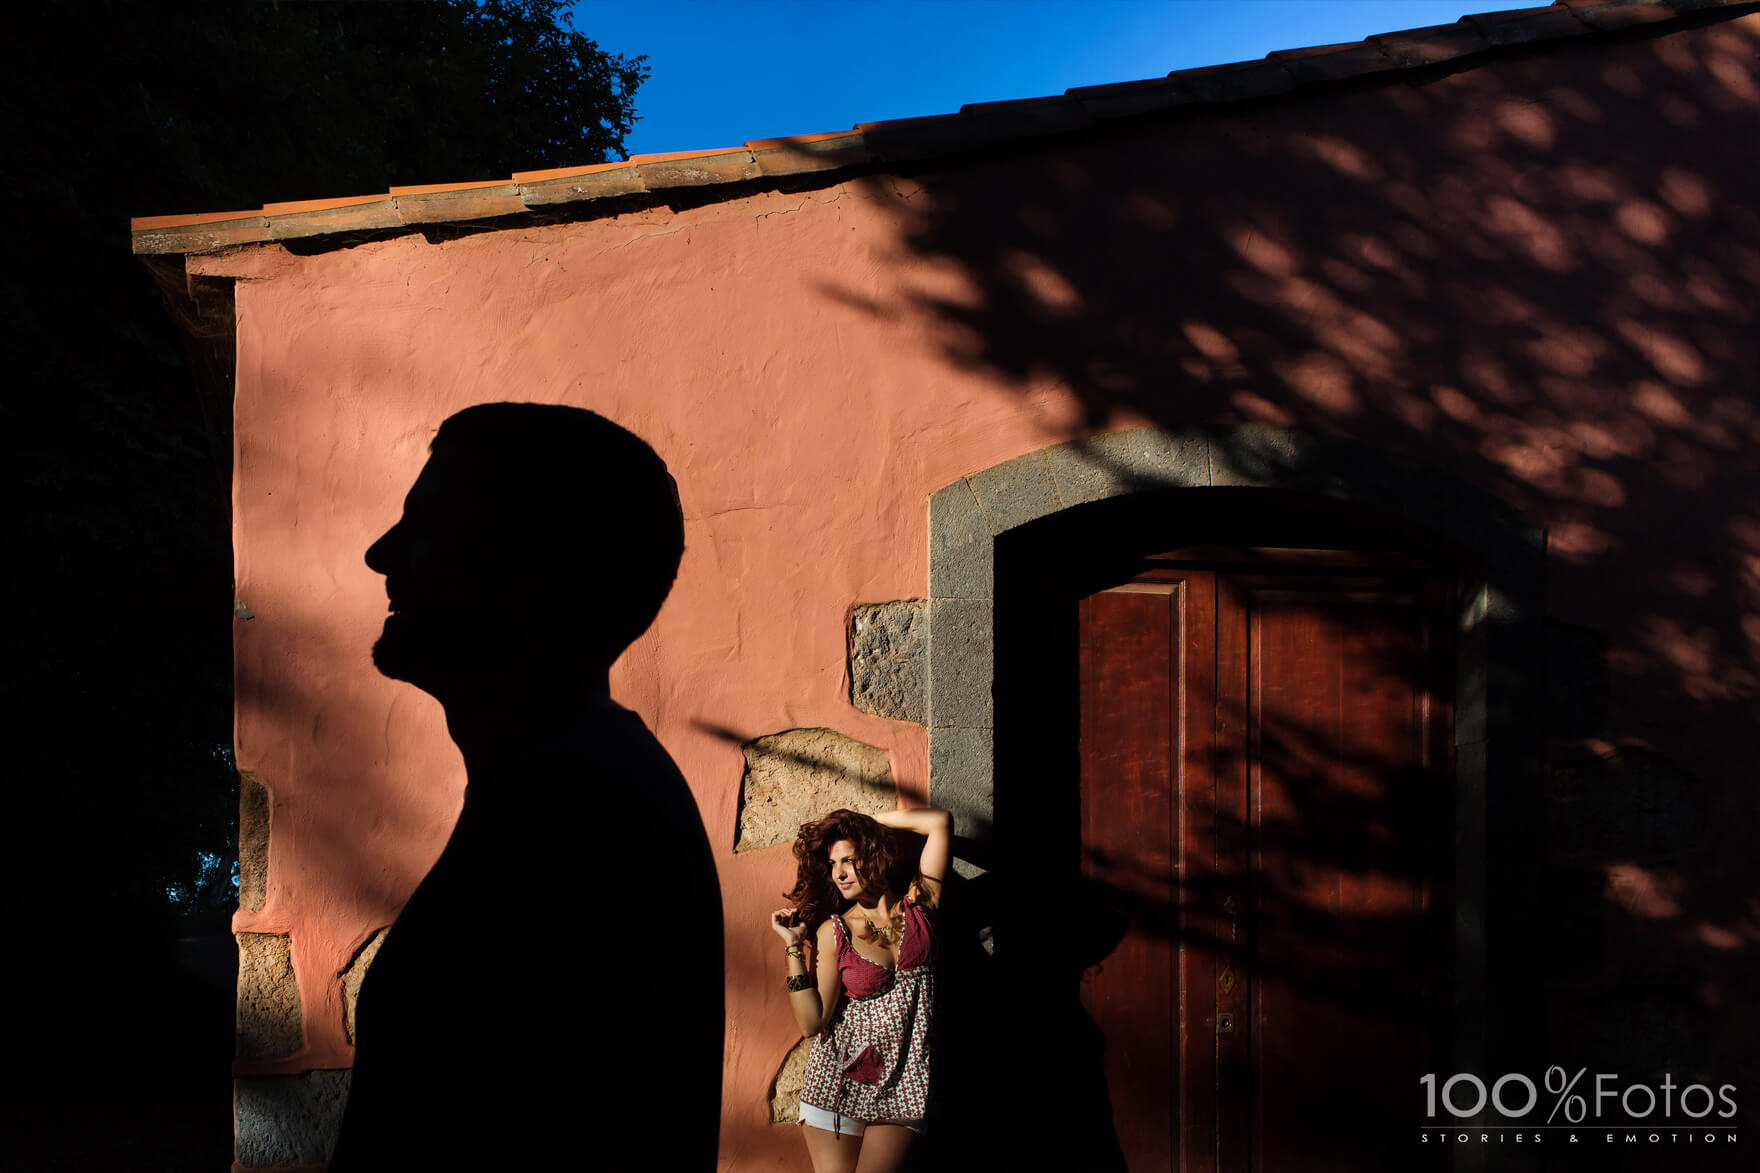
{"x":786,"y":922}
{"x":812,"y":991}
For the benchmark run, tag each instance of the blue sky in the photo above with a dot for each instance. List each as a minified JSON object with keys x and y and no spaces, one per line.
{"x":725,"y":71}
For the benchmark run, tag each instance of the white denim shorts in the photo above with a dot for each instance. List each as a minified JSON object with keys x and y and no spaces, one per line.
{"x":849,"y":1125}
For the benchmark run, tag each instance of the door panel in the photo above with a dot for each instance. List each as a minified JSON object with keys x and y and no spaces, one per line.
{"x":1338,"y":700}
{"x":1264,"y":765}
{"x":1132,"y":734}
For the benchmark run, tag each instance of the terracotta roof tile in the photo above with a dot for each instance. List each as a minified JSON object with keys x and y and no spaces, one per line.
{"x":436,"y":203}
{"x":673,"y":156}
{"x":796,"y":141}
{"x":1335,"y":62}
{"x":1237,"y":81}
{"x":900,"y":139}
{"x":1609,"y":18}
{"x":1126,"y":98}
{"x":805,"y":153}
{"x":1520,"y":26}
{"x":903,"y":139}
{"x":292,"y":206}
{"x":697,"y":168}
{"x":330,"y":216}
{"x":158,"y":223}
{"x":435,"y":188}
{"x":1432,"y":46}
{"x":206,"y":235}
{"x":1027,"y":118}
{"x":564,"y":172}
{"x":572,"y":184}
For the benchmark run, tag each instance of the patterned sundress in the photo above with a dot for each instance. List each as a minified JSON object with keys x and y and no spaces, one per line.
{"x":872,"y":1063}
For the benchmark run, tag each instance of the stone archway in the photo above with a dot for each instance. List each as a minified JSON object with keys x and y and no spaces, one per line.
{"x":1498,"y":661}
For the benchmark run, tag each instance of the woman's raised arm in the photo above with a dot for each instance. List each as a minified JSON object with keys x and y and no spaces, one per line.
{"x":936,"y":827}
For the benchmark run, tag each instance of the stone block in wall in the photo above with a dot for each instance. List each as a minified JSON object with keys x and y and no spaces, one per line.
{"x":962,"y":764}
{"x":1015,"y":492}
{"x":1101,"y":467}
{"x":960,"y":563}
{"x":287,"y":1119}
{"x":888,"y":657}
{"x":963,"y":665}
{"x":354,"y":975}
{"x":253,"y":842}
{"x":269,"y":1022}
{"x":798,"y":775}
{"x":785,"y":1089}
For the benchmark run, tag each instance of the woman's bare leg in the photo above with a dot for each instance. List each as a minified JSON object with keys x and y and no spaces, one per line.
{"x":830,"y":1152}
{"x":886,"y":1148}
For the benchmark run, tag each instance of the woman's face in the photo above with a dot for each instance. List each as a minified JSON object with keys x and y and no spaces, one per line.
{"x":843,"y":869}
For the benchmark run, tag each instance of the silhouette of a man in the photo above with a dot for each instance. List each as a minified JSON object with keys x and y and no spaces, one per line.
{"x":551,"y":995}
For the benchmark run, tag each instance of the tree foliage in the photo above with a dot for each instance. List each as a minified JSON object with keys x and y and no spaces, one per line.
{"x":341,"y":99}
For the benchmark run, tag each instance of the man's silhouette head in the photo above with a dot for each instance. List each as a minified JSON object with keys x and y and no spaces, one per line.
{"x":538,"y":542}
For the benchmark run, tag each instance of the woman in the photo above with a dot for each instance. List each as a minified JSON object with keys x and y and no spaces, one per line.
{"x":861,"y":943}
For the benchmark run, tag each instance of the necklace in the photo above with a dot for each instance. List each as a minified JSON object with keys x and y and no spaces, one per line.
{"x":888,"y":936}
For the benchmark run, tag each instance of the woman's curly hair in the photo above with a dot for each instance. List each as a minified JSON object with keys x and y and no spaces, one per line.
{"x":814,"y":896}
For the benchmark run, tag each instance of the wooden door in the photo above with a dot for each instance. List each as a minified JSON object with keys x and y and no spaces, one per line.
{"x":1265,"y":759}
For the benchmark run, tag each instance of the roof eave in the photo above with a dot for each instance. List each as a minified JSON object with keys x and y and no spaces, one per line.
{"x":823,"y":159}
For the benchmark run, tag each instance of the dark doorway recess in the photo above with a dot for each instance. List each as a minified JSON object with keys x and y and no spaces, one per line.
{"x":1226,"y":806}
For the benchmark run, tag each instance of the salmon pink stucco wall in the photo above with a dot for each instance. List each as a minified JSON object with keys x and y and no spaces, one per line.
{"x":805,"y":443}
{"x":1536,"y":275}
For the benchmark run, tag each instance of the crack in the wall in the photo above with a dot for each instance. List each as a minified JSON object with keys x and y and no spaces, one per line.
{"x":808,"y":199}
